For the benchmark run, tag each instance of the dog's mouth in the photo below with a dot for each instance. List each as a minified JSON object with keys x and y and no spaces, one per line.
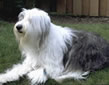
{"x":20,"y":31}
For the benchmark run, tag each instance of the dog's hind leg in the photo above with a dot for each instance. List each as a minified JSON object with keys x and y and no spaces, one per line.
{"x":72,"y":75}
{"x":14,"y":73}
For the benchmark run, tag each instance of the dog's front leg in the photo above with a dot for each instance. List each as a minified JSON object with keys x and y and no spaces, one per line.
{"x":14,"y":73}
{"x":37,"y":76}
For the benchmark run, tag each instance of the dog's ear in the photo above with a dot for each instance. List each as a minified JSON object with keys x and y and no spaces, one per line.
{"x":41,"y":23}
{"x":24,"y":9}
{"x":45,"y":27}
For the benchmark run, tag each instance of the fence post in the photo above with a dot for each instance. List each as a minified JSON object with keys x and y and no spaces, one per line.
{"x":85,"y":7}
{"x":103,"y":5}
{"x":61,"y":6}
{"x":77,"y":7}
{"x":107,"y":13}
{"x":69,"y":6}
{"x":94,"y":7}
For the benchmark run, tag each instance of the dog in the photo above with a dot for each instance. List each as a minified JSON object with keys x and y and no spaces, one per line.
{"x":52,"y":51}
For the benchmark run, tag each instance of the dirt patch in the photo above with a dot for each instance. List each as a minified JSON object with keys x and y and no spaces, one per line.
{"x":79,"y":20}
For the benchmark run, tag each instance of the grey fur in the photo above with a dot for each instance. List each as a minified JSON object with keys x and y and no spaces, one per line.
{"x":89,"y":52}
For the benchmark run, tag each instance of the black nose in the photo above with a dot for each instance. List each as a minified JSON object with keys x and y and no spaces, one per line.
{"x":19,"y":27}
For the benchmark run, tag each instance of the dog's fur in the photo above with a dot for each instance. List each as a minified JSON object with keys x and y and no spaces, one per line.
{"x":52,"y":51}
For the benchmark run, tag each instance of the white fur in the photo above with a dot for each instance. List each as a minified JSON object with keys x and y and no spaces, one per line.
{"x":75,"y":75}
{"x":38,"y":58}
{"x":37,"y":76}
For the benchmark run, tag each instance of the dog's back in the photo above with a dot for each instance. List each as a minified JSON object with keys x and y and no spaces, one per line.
{"x":89,"y":52}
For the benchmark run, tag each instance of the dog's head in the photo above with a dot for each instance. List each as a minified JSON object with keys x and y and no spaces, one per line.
{"x":33,"y":24}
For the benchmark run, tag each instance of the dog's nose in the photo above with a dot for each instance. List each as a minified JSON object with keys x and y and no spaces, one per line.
{"x":19,"y":27}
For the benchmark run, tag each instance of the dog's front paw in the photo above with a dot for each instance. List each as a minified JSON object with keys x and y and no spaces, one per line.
{"x":37,"y":76}
{"x":2,"y":79}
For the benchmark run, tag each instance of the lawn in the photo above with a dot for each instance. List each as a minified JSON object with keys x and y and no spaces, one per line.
{"x":10,"y":54}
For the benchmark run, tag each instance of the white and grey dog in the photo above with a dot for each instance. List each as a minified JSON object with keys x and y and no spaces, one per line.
{"x":52,"y":51}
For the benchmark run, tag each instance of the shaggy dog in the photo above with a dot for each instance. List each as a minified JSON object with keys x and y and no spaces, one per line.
{"x":52,"y":51}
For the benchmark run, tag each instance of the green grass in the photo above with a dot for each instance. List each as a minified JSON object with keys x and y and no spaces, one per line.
{"x":9,"y":54}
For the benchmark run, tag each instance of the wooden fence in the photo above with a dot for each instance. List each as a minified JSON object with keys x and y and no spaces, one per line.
{"x":84,"y":7}
{"x":72,"y":7}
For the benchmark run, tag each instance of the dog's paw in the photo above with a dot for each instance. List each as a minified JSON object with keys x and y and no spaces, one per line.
{"x":37,"y":76}
{"x":73,"y":75}
{"x":2,"y":79}
{"x":82,"y":76}
{"x":85,"y":73}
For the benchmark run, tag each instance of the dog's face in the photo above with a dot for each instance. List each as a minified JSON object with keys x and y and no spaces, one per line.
{"x":32,"y":24}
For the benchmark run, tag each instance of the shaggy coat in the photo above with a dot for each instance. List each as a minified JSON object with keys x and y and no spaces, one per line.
{"x":52,"y":51}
